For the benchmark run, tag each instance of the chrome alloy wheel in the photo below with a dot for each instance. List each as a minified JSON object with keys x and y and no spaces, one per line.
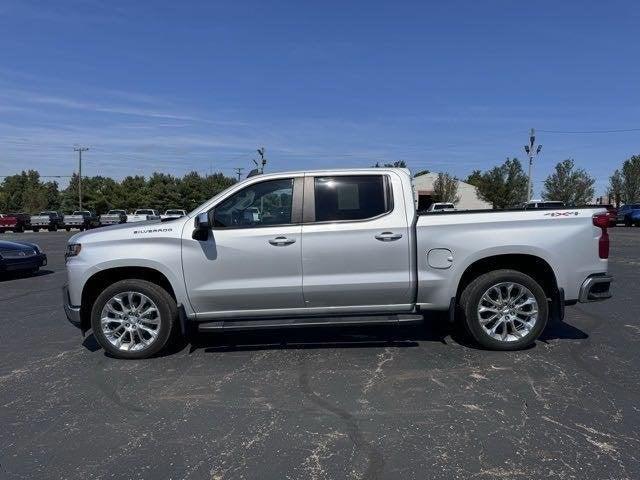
{"x":130,"y":321}
{"x":507,"y":311}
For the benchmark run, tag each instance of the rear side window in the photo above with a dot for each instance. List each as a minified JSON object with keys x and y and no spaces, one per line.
{"x":351,"y":197}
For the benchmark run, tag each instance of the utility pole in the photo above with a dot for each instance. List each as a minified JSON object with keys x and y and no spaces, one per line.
{"x":262,"y":158}
{"x":80,"y":150}
{"x":239,"y":172}
{"x":531,"y":151}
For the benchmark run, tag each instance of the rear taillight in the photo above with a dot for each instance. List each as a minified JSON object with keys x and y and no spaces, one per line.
{"x":602,"y":220}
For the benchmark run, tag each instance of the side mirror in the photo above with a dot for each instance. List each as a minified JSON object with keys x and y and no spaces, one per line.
{"x":202,"y":225}
{"x":202,"y":221}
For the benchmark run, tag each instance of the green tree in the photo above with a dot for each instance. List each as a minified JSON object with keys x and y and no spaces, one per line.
{"x":615,"y":189}
{"x":573,"y":186}
{"x":24,"y":192}
{"x":445,"y":188}
{"x":631,"y":180}
{"x":163,"y":191}
{"x":503,"y":186}
{"x":396,"y":164}
{"x":474,"y":178}
{"x":134,"y":194}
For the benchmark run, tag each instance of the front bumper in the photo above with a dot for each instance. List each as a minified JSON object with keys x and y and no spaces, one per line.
{"x":595,"y":288}
{"x":72,"y":312}
{"x":24,"y":263}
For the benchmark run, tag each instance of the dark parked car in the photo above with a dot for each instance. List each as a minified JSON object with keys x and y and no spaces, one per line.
{"x":629,"y":214}
{"x":21,"y":256}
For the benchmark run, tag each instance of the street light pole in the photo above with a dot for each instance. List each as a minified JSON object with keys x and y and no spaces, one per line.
{"x":80,"y":150}
{"x":531,"y":152}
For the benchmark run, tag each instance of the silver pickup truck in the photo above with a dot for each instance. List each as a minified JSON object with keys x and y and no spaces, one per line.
{"x":113,"y":217}
{"x":333,"y":247}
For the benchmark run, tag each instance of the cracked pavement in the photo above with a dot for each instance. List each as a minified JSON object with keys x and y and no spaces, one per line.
{"x":366,"y":403}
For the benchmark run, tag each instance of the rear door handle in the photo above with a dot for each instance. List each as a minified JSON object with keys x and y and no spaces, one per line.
{"x":281,"y":241}
{"x":388,"y":236}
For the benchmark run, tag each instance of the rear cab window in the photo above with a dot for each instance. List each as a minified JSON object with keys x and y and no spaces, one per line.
{"x":351,"y":198}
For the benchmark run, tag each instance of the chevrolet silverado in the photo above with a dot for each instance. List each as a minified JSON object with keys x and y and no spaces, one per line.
{"x":333,"y":247}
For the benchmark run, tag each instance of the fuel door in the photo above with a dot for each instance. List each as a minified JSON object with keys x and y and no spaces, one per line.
{"x":440,"y":258}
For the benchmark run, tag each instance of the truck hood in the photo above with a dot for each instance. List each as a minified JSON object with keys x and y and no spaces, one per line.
{"x":131,"y":231}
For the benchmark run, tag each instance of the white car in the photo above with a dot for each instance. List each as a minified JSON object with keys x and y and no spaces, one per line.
{"x":142,"y":215}
{"x":172,"y":214}
{"x":441,"y":207}
{"x":541,"y":204}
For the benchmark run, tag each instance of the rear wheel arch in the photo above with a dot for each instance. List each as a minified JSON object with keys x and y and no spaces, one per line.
{"x":102,"y":279}
{"x":534,"y":266}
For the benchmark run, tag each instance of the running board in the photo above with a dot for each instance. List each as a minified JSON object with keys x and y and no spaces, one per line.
{"x":404,"y":319}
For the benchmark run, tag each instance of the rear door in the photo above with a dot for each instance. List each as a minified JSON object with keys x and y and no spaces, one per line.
{"x":355,"y":242}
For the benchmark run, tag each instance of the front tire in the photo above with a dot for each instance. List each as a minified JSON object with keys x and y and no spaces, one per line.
{"x":504,"y":310}
{"x":133,"y":319}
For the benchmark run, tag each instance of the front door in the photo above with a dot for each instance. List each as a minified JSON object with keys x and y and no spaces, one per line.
{"x":251,"y":260}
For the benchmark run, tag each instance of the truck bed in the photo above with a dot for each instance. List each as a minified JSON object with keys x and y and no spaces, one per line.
{"x":448,"y":243}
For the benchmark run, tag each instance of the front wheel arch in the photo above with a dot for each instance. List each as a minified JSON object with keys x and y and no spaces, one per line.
{"x":102,"y":279}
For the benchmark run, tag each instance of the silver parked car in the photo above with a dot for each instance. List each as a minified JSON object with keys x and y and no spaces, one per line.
{"x":333,"y":247}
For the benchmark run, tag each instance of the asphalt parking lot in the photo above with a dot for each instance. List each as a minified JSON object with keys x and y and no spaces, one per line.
{"x":321,"y":404}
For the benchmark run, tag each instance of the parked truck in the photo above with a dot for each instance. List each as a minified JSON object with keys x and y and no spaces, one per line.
{"x":48,"y":219}
{"x":113,"y":217}
{"x":15,"y":222}
{"x":172,"y":214}
{"x":334,"y":247}
{"x":82,"y":220}
{"x":142,"y":215}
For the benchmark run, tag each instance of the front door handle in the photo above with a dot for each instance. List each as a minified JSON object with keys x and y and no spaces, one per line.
{"x":281,"y":241}
{"x":388,"y":236}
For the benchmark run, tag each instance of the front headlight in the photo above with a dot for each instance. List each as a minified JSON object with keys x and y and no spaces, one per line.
{"x":36,"y":248}
{"x":73,"y":249}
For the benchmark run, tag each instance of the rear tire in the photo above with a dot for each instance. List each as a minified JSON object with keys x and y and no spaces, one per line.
{"x":68,"y":229}
{"x":36,"y":229}
{"x":627,"y":222}
{"x":494,"y":295}
{"x":130,"y":335}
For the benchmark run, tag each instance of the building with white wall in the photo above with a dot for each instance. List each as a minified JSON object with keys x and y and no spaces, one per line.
{"x":424,"y":196}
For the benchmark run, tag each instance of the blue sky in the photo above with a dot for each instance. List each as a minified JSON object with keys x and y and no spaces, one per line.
{"x":447,"y":86}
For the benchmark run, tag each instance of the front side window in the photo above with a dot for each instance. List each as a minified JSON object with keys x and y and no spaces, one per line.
{"x":350,"y":197}
{"x":261,"y":204}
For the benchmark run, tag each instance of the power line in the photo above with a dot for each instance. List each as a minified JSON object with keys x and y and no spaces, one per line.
{"x":592,"y":131}
{"x":239,"y":172}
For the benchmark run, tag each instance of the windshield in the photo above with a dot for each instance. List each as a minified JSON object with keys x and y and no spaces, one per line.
{"x":443,"y":206}
{"x":115,"y":212}
{"x":144,"y":212}
{"x":174,"y":212}
{"x":81,"y":212}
